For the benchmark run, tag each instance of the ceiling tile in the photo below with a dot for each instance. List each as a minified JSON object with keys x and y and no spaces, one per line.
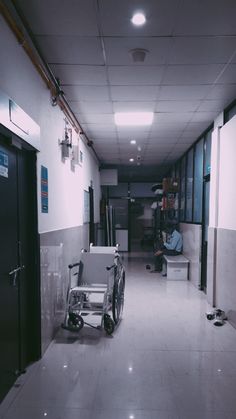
{"x":222,"y":92}
{"x":201,"y":50}
{"x":159,"y":147}
{"x":187,"y":138}
{"x":173,"y":118}
{"x":173,"y":128}
{"x":192,"y":74}
{"x":80,"y":74}
{"x":134,"y":93}
{"x":210,"y":106}
{"x":229,"y":75}
{"x":96,"y":118}
{"x":133,"y":106}
{"x":56,"y":18}
{"x":98,"y":127}
{"x":128,"y":75}
{"x":132,"y":135}
{"x":87,"y":93}
{"x":204,"y":116}
{"x":210,"y":17}
{"x":183,"y":92}
{"x":104,"y":136}
{"x":91,"y":107}
{"x":176,"y":106}
{"x":71,"y":50}
{"x":103,"y":141}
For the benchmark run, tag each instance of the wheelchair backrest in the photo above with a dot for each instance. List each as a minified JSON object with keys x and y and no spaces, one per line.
{"x":93,"y":268}
{"x":103,"y":249}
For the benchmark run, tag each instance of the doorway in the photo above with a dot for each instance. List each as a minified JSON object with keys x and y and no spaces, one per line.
{"x":91,"y":216}
{"x":19,"y":263}
{"x":141,"y":224}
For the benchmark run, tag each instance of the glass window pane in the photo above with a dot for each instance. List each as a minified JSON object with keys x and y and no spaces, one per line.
{"x":182,"y":191}
{"x":198,"y":182}
{"x":207,"y":163}
{"x":189,"y":185}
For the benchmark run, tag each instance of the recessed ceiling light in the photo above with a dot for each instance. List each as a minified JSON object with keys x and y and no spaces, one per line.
{"x":138,"y":19}
{"x":132,"y":141}
{"x":133,"y":118}
{"x":131,"y":160}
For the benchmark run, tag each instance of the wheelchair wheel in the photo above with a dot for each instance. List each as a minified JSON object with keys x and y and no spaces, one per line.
{"x":75,"y":322}
{"x":118,"y":298}
{"x":109,"y":325}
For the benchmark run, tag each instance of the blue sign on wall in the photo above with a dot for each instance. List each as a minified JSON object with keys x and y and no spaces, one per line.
{"x":3,"y":164}
{"x":44,"y":189}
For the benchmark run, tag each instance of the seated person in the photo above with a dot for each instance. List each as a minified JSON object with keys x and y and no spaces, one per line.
{"x":172,"y":247}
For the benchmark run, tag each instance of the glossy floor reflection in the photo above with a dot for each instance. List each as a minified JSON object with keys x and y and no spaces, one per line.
{"x":165,"y":361}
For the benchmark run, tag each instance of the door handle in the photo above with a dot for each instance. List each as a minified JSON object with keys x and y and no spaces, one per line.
{"x":14,"y":273}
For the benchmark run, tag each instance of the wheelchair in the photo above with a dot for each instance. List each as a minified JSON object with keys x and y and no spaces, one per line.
{"x":95,"y":290}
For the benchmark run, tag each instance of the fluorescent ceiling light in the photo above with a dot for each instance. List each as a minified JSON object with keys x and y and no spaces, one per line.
{"x":132,"y":141}
{"x":133,"y":118}
{"x":138,"y":19}
{"x":131,"y":159}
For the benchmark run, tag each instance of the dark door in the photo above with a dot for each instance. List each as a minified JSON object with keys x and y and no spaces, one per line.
{"x":19,"y":294}
{"x":205,"y":224}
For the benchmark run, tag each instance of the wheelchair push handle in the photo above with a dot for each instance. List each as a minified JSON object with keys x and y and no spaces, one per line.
{"x":108,"y":268}
{"x":73,"y":265}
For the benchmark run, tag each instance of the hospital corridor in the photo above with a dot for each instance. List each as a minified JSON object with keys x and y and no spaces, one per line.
{"x":117,"y":209}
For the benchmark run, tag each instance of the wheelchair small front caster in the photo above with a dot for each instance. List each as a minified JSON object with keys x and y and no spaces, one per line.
{"x":109,"y":325}
{"x":75,"y":322}
{"x":210,"y":316}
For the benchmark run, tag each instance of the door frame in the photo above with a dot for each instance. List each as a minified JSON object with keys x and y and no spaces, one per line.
{"x":204,"y":249}
{"x":34,"y":335}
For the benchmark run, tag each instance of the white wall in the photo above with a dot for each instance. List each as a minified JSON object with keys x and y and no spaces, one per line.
{"x":20,"y":81}
{"x":221,"y":283}
{"x":227,"y":176}
{"x":192,"y":237}
{"x":214,"y":184}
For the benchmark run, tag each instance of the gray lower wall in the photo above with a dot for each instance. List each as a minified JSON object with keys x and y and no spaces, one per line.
{"x":225,"y":289}
{"x":192,"y":243}
{"x":57,"y":250}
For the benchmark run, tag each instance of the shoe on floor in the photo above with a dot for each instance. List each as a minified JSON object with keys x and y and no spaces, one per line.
{"x":164,"y":274}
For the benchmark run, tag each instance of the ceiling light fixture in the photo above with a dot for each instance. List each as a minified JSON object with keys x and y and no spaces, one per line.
{"x":138,"y":19}
{"x":133,"y":118}
{"x":132,"y":141}
{"x":131,"y":160}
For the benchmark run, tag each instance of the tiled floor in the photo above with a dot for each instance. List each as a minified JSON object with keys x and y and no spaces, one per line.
{"x":165,"y":361}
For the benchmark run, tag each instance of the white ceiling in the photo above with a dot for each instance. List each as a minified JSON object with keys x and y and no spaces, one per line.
{"x":187,"y":78}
